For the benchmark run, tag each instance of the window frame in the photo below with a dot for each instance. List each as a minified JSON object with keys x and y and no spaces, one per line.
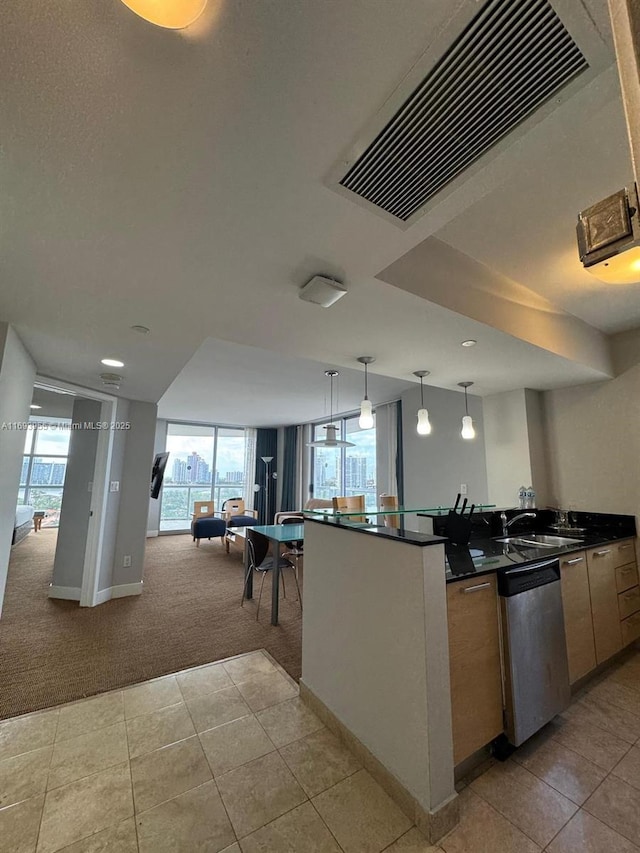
{"x":214,"y":490}
{"x":341,"y":422}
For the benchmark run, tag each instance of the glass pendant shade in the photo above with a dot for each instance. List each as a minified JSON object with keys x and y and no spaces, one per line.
{"x":366,"y":414}
{"x":331,"y":440}
{"x":467,"y":427}
{"x":366,"y":411}
{"x":423,"y":427}
{"x":170,"y":14}
{"x":424,"y":424}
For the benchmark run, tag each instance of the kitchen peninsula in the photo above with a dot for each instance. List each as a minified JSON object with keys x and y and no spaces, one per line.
{"x":407,"y":669}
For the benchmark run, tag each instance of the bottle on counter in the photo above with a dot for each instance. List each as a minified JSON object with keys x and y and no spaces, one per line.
{"x":530,"y":498}
{"x":522,"y":497}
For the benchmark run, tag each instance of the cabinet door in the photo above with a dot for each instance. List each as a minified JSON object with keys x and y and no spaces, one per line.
{"x":604,"y":601}
{"x":474,"y":659}
{"x":578,"y":624}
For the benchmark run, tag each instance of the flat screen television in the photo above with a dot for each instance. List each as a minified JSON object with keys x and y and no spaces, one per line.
{"x":157,"y":473}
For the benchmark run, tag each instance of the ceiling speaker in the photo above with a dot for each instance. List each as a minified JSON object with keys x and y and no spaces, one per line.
{"x":322,"y":291}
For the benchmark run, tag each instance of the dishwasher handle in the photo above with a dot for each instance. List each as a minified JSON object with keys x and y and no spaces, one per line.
{"x":524,"y":578}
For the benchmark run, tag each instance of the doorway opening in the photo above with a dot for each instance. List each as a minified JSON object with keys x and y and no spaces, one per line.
{"x":62,"y":494}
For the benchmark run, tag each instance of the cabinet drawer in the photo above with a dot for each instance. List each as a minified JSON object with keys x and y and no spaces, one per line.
{"x":629,"y":602}
{"x":630,"y":629}
{"x":626,"y":577}
{"x":624,"y":552}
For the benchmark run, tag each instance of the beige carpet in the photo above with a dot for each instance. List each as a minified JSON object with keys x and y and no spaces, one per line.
{"x":189,"y":614}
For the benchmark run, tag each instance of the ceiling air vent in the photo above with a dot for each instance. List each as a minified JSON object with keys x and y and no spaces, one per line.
{"x":513,"y":56}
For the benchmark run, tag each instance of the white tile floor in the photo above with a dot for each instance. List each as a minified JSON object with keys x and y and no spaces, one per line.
{"x":225,"y":757}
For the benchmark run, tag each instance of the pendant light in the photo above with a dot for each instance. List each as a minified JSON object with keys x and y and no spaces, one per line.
{"x":170,"y":14}
{"x":366,"y":412}
{"x":424,"y":425}
{"x":332,"y":430}
{"x":467,"y":423}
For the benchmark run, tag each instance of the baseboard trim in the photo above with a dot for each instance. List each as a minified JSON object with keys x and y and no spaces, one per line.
{"x":121,"y":591}
{"x":151,"y":533}
{"x":433,"y":825}
{"x":68,"y":593}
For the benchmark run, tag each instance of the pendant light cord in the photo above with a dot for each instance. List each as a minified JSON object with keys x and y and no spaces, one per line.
{"x":421,"y":393}
{"x":366,"y":387}
{"x":466,"y":405}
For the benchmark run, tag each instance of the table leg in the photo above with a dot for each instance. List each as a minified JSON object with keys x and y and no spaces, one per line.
{"x":249,"y":592}
{"x":275,"y":582}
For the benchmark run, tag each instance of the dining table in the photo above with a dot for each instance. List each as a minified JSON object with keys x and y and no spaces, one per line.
{"x":276,"y":534}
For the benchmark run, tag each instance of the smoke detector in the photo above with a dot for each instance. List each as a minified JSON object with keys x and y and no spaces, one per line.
{"x":111,"y":380}
{"x":322,"y":290}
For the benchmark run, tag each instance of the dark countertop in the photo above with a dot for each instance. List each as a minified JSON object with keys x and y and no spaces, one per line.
{"x":483,"y":556}
{"x":409,"y":537}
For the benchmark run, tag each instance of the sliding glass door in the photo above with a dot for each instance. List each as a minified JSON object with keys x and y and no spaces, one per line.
{"x":205,"y":463}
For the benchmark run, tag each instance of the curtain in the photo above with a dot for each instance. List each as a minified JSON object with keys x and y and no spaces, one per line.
{"x":249,"y":467}
{"x":302,"y":466}
{"x":266,"y":445}
{"x":387,"y":450}
{"x":288,"y":500}
{"x":399,"y":453}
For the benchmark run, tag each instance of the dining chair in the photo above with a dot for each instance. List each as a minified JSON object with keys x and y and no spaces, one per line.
{"x":390,"y":502}
{"x":295,"y":548}
{"x":349,"y":503}
{"x":258,"y":561}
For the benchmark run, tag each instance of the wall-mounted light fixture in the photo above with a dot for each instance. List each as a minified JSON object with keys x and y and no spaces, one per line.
{"x":170,"y":14}
{"x":467,"y":430}
{"x":366,"y":412}
{"x":609,"y":238}
{"x":424,"y":425}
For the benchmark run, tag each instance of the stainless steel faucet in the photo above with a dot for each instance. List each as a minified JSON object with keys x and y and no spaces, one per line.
{"x":507,"y":524}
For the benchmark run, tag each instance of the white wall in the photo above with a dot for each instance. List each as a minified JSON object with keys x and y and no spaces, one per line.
{"x":515,"y":446}
{"x":593,"y":434}
{"x":17,"y":373}
{"x":135,"y":482}
{"x":375,"y":651}
{"x":436,"y":465}
{"x":76,"y":499}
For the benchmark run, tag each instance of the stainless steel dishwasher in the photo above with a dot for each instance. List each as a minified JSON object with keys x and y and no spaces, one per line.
{"x":535,"y":652}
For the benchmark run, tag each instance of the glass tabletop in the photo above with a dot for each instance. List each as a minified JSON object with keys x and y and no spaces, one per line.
{"x":281,"y":532}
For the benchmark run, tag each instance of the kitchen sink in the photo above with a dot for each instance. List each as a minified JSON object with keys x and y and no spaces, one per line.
{"x":539,"y":540}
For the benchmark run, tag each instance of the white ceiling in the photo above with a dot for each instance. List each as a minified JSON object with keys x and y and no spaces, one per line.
{"x":179,"y":182}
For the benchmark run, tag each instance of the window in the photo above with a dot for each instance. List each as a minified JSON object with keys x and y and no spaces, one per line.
{"x":44,"y":466}
{"x":346,"y":470}
{"x":205,"y":463}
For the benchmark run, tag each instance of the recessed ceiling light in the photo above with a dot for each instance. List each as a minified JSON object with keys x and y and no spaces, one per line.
{"x":171,"y":14}
{"x":112,"y":362}
{"x":33,"y":406}
{"x":469,"y":343}
{"x":143,"y":330}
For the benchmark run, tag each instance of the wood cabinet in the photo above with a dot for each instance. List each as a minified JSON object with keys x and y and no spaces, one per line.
{"x":601,"y":564}
{"x":578,"y":623}
{"x":629,"y":602}
{"x":626,"y":577}
{"x":474,"y":659}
